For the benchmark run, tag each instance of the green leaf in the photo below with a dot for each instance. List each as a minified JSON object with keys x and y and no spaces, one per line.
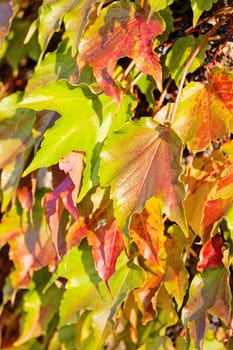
{"x":199,"y":6}
{"x":139,"y":161}
{"x":55,"y":66}
{"x":157,"y":5}
{"x":80,"y":127}
{"x":16,"y":48}
{"x":181,"y":52}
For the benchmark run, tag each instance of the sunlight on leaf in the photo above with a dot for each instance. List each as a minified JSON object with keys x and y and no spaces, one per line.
{"x":204,"y":111}
{"x":120,"y":31}
{"x":140,"y":161}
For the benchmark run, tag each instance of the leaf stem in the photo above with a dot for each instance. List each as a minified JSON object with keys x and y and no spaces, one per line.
{"x":188,"y":65}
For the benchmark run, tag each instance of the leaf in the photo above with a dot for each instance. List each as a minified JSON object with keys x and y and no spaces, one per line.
{"x":176,"y":276}
{"x":199,"y":6}
{"x":55,"y":66}
{"x":204,"y":111}
{"x":65,"y":194}
{"x":140,"y":161}
{"x":123,"y":31}
{"x":146,"y":230}
{"x":39,"y":310}
{"x":215,"y":208}
{"x":15,"y":136}
{"x":80,"y":127}
{"x":209,"y":292}
{"x":78,"y":268}
{"x":211,"y":254}
{"x":73,"y":12}
{"x":16,"y":47}
{"x":76,"y":20}
{"x":30,"y":243}
{"x":6,"y":13}
{"x":181,"y":52}
{"x":156,"y":5}
{"x":106,"y":240}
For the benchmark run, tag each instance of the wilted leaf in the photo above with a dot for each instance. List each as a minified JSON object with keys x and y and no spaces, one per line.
{"x":204,"y":111}
{"x":181,"y":52}
{"x":140,"y":161}
{"x":199,"y":6}
{"x":6,"y":13}
{"x":65,"y":194}
{"x":122,"y":31}
{"x":106,"y":240}
{"x":209,"y":292}
{"x":146,"y":230}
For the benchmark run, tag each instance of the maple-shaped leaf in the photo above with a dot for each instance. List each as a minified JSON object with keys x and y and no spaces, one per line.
{"x":209,"y":292}
{"x":146,"y":230}
{"x":106,"y":239}
{"x":215,"y":208}
{"x":140,"y":161}
{"x":65,"y":194}
{"x":204,"y":111}
{"x":211,"y":254}
{"x":6,"y":13}
{"x":121,"y":30}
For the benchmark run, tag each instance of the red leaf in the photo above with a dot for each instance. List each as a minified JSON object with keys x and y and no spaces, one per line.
{"x":121,"y":31}
{"x":106,"y":240}
{"x":212,"y":254}
{"x":65,"y":194}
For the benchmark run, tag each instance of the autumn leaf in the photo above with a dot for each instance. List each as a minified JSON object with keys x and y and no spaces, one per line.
{"x":106,"y":240}
{"x":146,"y":230}
{"x":211,"y":254}
{"x":209,"y":292}
{"x":65,"y":194}
{"x":216,"y":207}
{"x":204,"y":111}
{"x":140,"y":161}
{"x":120,"y":30}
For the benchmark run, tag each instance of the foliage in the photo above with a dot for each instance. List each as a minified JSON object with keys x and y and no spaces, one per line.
{"x":116,"y":174}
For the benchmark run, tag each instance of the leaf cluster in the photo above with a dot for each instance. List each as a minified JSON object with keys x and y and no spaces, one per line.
{"x":116,"y":174}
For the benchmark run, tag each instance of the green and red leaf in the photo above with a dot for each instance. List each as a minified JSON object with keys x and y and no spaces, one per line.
{"x":119,"y":31}
{"x":140,"y":161}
